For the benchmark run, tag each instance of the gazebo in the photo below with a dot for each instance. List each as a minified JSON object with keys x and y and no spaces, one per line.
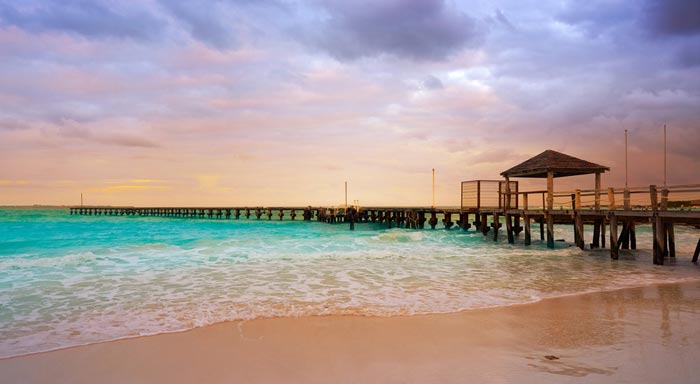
{"x":550,"y":164}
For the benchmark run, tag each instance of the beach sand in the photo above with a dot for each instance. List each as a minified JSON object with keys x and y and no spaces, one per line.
{"x":639,"y":335}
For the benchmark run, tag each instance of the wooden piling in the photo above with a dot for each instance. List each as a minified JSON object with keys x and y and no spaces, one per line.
{"x":528,"y":234}
{"x":433,"y":219}
{"x":697,"y":252}
{"x":633,"y":235}
{"x":596,"y":234}
{"x":447,"y":221}
{"x":613,"y":237}
{"x":484,"y":224}
{"x":509,"y":229}
{"x":670,"y":240}
{"x":496,"y":224}
{"x":625,"y":236}
{"x":579,"y":229}
{"x":541,"y":220}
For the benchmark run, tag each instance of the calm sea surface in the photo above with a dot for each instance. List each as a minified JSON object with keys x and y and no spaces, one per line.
{"x":68,"y":280}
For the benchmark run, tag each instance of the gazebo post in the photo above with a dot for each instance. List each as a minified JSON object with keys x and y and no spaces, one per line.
{"x":550,"y":207}
{"x":598,"y":222}
{"x":509,"y":225}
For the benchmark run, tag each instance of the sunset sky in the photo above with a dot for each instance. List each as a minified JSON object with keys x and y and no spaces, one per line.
{"x":279,"y":102}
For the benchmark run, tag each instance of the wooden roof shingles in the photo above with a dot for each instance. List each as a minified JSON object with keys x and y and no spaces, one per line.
{"x":561,"y":164}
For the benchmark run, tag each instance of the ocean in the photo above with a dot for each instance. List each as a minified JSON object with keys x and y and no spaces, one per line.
{"x":72,"y":280}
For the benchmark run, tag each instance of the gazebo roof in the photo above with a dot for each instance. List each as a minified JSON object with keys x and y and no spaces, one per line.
{"x":562,"y":165}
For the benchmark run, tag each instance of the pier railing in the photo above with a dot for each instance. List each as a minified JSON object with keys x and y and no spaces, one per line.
{"x":489,"y":194}
{"x":649,"y":198}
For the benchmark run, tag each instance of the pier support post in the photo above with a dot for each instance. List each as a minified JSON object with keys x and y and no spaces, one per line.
{"x":447,"y":221}
{"x":671,"y":240}
{"x":632,"y":227}
{"x":484,"y":224}
{"x":613,"y":237}
{"x":464,"y":221}
{"x":496,"y":224}
{"x":596,"y":234}
{"x":281,"y":214}
{"x":528,"y":235}
{"x":516,"y":225}
{"x":293,"y":214}
{"x":421,"y":220}
{"x":579,"y":229}
{"x":697,"y":252}
{"x":541,"y":221}
{"x":625,"y":236}
{"x":351,"y":215}
{"x":659,"y":239}
{"x":433,"y":219}
{"x":550,"y":231}
{"x":509,"y":229}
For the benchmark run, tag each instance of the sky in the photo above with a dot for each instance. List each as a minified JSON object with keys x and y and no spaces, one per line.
{"x":274,"y":102}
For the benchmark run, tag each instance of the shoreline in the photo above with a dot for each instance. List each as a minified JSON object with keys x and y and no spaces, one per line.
{"x":503,"y":342}
{"x":539,"y":300}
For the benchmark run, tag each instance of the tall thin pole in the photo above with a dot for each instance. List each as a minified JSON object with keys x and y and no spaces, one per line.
{"x":81,"y":199}
{"x":664,"y":155}
{"x":346,"y":195}
{"x":626,"y":169}
{"x":433,"y":206}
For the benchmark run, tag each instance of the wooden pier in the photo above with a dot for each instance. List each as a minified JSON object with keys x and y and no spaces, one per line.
{"x":492,"y":203}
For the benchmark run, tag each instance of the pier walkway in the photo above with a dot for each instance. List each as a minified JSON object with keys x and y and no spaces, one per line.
{"x":492,"y":203}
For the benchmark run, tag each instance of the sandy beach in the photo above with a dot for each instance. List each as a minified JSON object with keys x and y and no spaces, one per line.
{"x":639,"y":335}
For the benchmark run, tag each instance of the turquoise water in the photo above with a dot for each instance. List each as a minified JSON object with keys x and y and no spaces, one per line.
{"x":69,"y":280}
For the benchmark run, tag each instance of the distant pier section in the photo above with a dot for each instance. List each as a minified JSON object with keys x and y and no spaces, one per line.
{"x":486,"y":205}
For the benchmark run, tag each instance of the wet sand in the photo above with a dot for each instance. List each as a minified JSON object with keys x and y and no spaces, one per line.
{"x":639,"y":335}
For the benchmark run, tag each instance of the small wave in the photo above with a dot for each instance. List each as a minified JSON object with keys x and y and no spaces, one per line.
{"x":52,"y":261}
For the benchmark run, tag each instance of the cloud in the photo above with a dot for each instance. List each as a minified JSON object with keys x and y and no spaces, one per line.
{"x":413,"y":29}
{"x":204,"y":22}
{"x":126,"y":140}
{"x":13,"y":125}
{"x":431,"y":82}
{"x":674,"y":17}
{"x":87,"y":18}
{"x":123,"y":188}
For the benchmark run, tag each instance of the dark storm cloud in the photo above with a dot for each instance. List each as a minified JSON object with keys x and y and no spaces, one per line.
{"x":415,"y":29}
{"x":674,"y":17}
{"x":92,"y":19}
